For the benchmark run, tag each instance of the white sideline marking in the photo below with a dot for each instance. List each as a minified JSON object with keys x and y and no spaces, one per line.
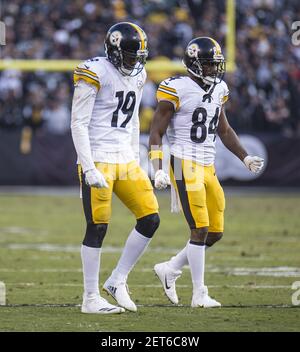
{"x":76,"y":248}
{"x":47,"y":270}
{"x":2,"y":294}
{"x":16,"y":230}
{"x":157,"y":285}
{"x":50,"y":247}
{"x":281,"y":271}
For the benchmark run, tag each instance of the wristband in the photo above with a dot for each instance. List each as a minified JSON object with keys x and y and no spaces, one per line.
{"x":156,"y":154}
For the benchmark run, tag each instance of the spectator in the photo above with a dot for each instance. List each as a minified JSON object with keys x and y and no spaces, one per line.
{"x":266,"y":81}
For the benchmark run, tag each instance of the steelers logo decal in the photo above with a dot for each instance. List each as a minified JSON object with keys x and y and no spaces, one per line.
{"x":193,"y":50}
{"x":115,"y":38}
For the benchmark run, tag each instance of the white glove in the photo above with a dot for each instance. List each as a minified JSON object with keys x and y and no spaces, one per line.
{"x":161,"y":179}
{"x":94,"y":178}
{"x":254,"y":163}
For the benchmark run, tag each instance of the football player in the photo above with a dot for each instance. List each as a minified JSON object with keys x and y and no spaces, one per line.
{"x":191,"y":112}
{"x":105,"y":131}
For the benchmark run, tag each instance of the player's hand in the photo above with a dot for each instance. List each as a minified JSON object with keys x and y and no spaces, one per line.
{"x":161,"y":179}
{"x":94,"y":178}
{"x":254,"y":163}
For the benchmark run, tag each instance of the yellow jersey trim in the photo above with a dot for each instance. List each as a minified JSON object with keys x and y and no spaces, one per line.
{"x":224,"y":99}
{"x":163,"y":95}
{"x":87,"y":78}
{"x":168,"y":88}
{"x":86,"y":71}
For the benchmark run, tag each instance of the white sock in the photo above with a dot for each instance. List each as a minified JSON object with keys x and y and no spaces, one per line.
{"x":135,"y":246}
{"x":179,"y":260}
{"x":196,"y":258}
{"x":90,"y":258}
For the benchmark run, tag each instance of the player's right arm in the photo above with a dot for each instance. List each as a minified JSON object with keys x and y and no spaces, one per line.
{"x":85,"y":92}
{"x":161,"y":120}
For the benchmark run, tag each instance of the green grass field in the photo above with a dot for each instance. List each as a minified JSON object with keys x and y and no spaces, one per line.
{"x":250,"y":271}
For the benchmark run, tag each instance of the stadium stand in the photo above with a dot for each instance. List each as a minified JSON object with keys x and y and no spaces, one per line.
{"x":264,"y":87}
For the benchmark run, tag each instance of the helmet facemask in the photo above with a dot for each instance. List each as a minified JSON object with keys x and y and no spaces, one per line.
{"x":200,"y":68}
{"x":132,"y":63}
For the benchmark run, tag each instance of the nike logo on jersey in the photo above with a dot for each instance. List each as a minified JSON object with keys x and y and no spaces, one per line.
{"x":166,"y":283}
{"x":87,"y":67}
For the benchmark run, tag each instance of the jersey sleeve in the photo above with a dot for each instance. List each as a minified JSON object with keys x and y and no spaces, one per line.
{"x":86,"y":72}
{"x":167,"y":92}
{"x":225,"y":93}
{"x":144,"y":76}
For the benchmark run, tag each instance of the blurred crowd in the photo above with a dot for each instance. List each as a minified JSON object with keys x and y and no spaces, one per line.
{"x":264,"y":87}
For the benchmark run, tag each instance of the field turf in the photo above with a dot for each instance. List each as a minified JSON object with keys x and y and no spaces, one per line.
{"x":251,"y":271}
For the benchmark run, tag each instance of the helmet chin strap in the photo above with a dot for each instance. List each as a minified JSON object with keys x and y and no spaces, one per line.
{"x":209,"y":81}
{"x":131,"y":72}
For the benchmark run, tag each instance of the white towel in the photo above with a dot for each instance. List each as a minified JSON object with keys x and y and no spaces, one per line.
{"x":175,"y":201}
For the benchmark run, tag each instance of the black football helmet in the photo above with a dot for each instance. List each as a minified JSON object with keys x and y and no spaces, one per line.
{"x":203,"y":58}
{"x":126,"y":48}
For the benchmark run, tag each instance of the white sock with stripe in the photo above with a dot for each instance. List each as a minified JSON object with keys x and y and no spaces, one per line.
{"x":90,"y":258}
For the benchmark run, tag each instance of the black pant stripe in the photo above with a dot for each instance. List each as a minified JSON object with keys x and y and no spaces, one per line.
{"x":181,"y":186}
{"x":86,"y":200}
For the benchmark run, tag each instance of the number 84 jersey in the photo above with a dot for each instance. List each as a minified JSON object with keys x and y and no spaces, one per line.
{"x":115,"y":112}
{"x":192,"y":130}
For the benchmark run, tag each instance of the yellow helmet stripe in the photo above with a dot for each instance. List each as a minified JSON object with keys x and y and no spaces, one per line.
{"x":138,"y":29}
{"x":216,"y":44}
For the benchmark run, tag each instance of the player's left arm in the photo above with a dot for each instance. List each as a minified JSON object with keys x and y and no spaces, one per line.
{"x":162,"y":117}
{"x":161,"y":120}
{"x":229,"y":138}
{"x":232,"y":142}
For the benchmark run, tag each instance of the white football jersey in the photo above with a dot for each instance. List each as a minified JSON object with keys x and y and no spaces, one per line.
{"x":115,"y":111}
{"x":192,"y":130}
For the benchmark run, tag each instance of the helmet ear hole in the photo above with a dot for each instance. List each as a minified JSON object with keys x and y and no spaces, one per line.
{"x":115,"y":57}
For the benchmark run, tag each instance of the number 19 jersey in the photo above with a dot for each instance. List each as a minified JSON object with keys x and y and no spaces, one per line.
{"x":192,"y":130}
{"x":115,"y":111}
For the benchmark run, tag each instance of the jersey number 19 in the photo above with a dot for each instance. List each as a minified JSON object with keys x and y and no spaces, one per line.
{"x":127,"y":108}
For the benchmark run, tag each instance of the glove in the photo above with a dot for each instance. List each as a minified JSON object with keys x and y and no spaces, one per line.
{"x":161,"y":179}
{"x":94,"y":178}
{"x":254,"y":163}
